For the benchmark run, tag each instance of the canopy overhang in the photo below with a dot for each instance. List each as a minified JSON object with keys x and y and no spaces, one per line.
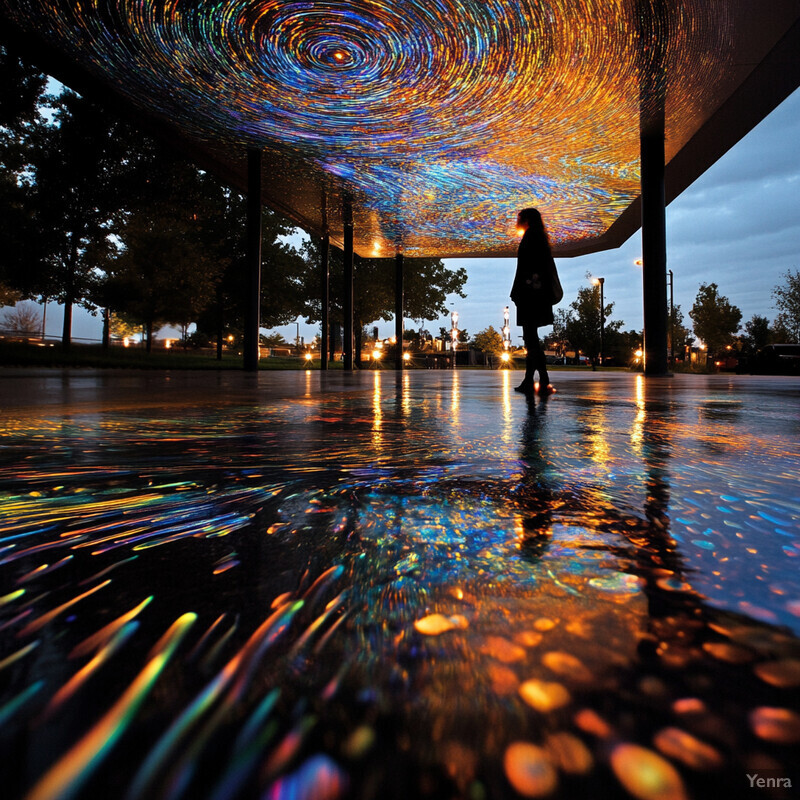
{"x":439,"y":118}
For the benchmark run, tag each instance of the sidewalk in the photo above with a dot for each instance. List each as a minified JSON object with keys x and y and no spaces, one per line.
{"x":379,"y":585}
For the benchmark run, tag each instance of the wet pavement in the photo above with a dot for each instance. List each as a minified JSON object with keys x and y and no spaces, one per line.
{"x":297,"y":585}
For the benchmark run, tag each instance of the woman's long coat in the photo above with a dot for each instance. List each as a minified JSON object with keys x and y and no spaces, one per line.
{"x":533,"y":282}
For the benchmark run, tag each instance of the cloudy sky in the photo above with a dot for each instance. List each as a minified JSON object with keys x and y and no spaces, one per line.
{"x":738,"y":225}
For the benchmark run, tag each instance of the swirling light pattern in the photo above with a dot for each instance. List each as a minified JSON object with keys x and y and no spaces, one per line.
{"x":441,"y":117}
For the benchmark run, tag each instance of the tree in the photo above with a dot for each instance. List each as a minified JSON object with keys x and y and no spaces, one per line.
{"x":122,"y":326}
{"x":681,"y":335}
{"x":8,"y":296}
{"x":757,"y":334}
{"x":557,"y":338}
{"x":715,"y":319}
{"x":78,"y":170}
{"x":787,"y":303}
{"x":622,"y":345}
{"x":25,"y":318}
{"x":282,"y":272}
{"x":582,"y":326}
{"x":162,"y":274}
{"x":488,"y":341}
{"x":21,"y":92}
{"x":273,"y":339}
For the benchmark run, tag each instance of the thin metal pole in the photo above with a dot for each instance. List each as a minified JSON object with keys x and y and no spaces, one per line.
{"x":602,"y":322}
{"x":252,"y":308}
{"x":325,"y":275}
{"x":671,"y":321}
{"x":347,"y":293}
{"x":398,"y":308}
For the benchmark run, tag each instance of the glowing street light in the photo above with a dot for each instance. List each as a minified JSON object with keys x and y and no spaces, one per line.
{"x":406,"y":356}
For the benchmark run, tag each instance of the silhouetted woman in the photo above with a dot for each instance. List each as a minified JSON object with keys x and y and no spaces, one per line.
{"x":535,"y":291}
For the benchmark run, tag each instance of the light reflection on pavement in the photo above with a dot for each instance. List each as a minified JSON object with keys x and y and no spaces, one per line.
{"x":399,"y":585}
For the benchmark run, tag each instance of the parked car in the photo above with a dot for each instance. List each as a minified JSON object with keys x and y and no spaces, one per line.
{"x":728,"y":363}
{"x":777,"y":359}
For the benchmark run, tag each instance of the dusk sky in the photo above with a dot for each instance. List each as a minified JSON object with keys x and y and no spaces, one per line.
{"x":738,"y":225}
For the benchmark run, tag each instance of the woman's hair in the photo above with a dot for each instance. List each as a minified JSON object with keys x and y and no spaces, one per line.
{"x":535,"y":223}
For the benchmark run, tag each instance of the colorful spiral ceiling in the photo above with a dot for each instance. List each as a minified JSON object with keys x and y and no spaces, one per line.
{"x":441,"y":117}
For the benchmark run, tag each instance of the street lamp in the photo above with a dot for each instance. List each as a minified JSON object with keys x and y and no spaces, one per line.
{"x":505,"y":358}
{"x":599,"y":282}
{"x":671,"y":323}
{"x":506,"y":330}
{"x":454,"y":334}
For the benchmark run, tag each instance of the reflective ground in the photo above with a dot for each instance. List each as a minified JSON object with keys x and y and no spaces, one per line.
{"x":300,"y":585}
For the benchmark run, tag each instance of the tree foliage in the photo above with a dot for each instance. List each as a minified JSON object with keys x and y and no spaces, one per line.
{"x":21,"y":92}
{"x":488,"y":341}
{"x":715,"y":319}
{"x":122,"y":325}
{"x":21,"y":88}
{"x":282,"y":268}
{"x":757,"y":333}
{"x":79,"y":172}
{"x":162,"y":274}
{"x":582,"y":321}
{"x":681,"y":335}
{"x":787,"y":303}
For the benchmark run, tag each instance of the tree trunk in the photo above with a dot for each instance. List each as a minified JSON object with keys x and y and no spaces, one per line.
{"x":359,"y":337}
{"x":69,"y":292}
{"x":220,"y":325}
{"x":106,"y":328}
{"x":149,"y":347}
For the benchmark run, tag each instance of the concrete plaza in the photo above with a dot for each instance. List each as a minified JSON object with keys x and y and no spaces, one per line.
{"x":417,"y":584}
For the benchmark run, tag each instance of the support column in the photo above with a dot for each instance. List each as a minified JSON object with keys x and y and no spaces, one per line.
{"x":252,"y":300}
{"x":347,"y":289}
{"x":398,"y":308}
{"x":654,"y":251}
{"x":325,"y":275}
{"x":654,"y":28}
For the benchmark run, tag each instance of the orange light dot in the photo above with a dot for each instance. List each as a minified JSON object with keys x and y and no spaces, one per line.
{"x":529,"y":770}
{"x":544,"y":696}
{"x":434,"y":624}
{"x":645,"y":774}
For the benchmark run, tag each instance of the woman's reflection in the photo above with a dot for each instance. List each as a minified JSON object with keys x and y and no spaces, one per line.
{"x":534,"y":493}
